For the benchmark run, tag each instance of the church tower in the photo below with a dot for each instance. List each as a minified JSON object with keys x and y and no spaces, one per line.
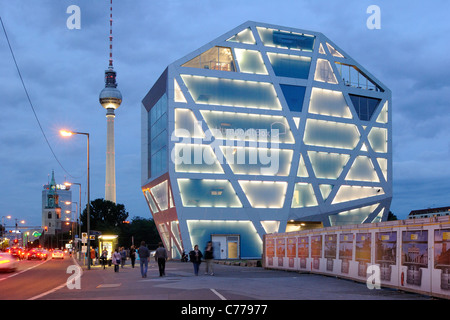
{"x":51,"y":214}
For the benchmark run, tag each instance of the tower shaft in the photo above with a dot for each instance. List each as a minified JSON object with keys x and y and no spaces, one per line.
{"x":110,"y":177}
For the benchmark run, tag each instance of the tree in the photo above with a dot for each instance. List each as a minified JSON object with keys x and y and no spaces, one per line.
{"x":105,"y":216}
{"x":391,"y":216}
{"x":140,"y":229}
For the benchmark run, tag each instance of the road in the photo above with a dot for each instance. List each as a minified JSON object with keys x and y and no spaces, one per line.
{"x":33,"y":278}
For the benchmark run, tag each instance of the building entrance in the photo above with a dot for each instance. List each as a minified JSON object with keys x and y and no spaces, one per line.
{"x":226,"y":246}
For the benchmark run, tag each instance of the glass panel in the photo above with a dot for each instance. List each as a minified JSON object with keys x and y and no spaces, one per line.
{"x":270,"y":226}
{"x":264,"y":194}
{"x":331,"y":134}
{"x":364,"y":106}
{"x":303,"y":196}
{"x":325,"y":190}
{"x":321,"y":50}
{"x":150,"y":201}
{"x":178,"y":94}
{"x":294,"y":96}
{"x":284,"y":39}
{"x":248,"y":127}
{"x":349,"y":193}
{"x":362,"y":170}
{"x":187,"y":125}
{"x":383,"y":116}
{"x":208,"y":193}
{"x":379,"y":217}
{"x":175,"y":231}
{"x":216,"y":58}
{"x":160,"y":193}
{"x":324,"y":73}
{"x":333,"y":51}
{"x":228,"y":92}
{"x":301,"y":171}
{"x":328,"y":165}
{"x":378,"y":139}
{"x":158,"y":137}
{"x":285,"y":65}
{"x":245,"y":36}
{"x":383,"y":163}
{"x":329,"y":103}
{"x":250,"y":61}
{"x":354,"y":216}
{"x":195,"y":158}
{"x":258,"y":161}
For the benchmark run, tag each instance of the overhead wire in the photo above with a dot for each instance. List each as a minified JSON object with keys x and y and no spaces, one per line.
{"x":29,"y":100}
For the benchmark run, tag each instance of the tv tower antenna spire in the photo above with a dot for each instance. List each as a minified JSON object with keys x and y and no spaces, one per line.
{"x":110,"y":98}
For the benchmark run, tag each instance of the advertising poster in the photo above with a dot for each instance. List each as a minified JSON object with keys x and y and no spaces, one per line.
{"x":316,"y":251}
{"x":281,"y":250}
{"x":442,"y":256}
{"x":291,"y":247}
{"x":414,"y":255}
{"x":363,"y":253}
{"x":270,"y":250}
{"x":303,"y":250}
{"x":330,"y":250}
{"x":385,"y":253}
{"x":345,"y":251}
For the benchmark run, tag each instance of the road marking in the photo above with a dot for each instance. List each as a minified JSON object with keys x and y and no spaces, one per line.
{"x":110,"y":285}
{"x":16,"y":274}
{"x":218,"y":294}
{"x":58,"y":287}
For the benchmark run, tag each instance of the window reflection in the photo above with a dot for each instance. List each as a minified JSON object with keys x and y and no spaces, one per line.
{"x":216,"y":58}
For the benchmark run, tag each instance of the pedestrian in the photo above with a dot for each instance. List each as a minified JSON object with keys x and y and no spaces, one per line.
{"x":161,"y":256}
{"x":196,"y":258}
{"x":132,"y":255}
{"x":116,"y":259}
{"x":92,"y":256}
{"x":123,"y":256}
{"x":144,"y":257}
{"x":209,"y":256}
{"x":104,"y":257}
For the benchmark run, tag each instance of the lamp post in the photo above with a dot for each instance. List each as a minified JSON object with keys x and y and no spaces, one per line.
{"x":4,"y":224}
{"x":76,"y":212}
{"x":66,"y":133}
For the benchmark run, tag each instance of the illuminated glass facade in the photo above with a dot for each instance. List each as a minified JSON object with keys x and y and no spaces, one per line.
{"x":263,"y":130}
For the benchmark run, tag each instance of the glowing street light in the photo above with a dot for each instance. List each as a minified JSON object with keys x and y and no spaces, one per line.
{"x":67,"y":133}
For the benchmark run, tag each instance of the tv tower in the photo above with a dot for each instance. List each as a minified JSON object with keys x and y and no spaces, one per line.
{"x":110,"y":98}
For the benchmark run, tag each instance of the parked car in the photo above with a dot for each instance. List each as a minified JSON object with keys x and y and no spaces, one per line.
{"x":8,"y":262}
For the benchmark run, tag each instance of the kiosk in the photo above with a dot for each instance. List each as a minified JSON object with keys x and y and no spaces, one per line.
{"x":108,"y":242}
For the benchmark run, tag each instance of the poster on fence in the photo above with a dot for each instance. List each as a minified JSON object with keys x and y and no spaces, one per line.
{"x":316,"y":251}
{"x":270,"y":250}
{"x":291,"y":248}
{"x":442,"y":258}
{"x":330,"y":250}
{"x":363,"y":253}
{"x":281,"y":251}
{"x":303,"y":251}
{"x":345,"y":251}
{"x":414,"y":256}
{"x":385,"y":253}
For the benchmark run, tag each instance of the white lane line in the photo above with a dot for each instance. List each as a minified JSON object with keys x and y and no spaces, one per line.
{"x":60,"y":286}
{"x":218,"y":294}
{"x":17,"y":273}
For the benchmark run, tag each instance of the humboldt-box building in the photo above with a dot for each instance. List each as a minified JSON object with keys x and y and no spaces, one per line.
{"x":264,"y":129}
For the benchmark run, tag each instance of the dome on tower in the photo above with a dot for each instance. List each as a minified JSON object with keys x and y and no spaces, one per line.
{"x":110,"y":98}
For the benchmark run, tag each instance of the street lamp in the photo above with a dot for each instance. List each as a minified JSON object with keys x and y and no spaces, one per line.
{"x":66,"y":133}
{"x":4,"y":224}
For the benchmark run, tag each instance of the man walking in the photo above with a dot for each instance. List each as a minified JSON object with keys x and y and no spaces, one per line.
{"x":161,"y":256}
{"x":144,"y":256}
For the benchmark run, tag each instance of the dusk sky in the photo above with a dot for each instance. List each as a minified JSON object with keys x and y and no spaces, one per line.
{"x":63,"y":70}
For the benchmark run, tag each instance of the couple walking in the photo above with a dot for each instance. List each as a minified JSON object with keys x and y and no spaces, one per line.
{"x":196,"y":258}
{"x":144,"y":257}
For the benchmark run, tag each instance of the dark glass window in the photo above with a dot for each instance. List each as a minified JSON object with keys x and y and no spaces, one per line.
{"x":364,"y":106}
{"x":294,"y":96}
{"x":158,"y":137}
{"x":290,"y":66}
{"x":291,"y":40}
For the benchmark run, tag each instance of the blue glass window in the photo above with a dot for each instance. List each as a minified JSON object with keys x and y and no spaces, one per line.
{"x":290,"y":66}
{"x":277,"y":38}
{"x":158,"y":137}
{"x":294,"y":96}
{"x":364,"y":106}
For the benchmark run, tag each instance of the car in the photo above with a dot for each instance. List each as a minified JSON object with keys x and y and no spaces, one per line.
{"x":57,"y":254}
{"x":17,"y":252}
{"x":36,"y":254}
{"x":8,"y":262}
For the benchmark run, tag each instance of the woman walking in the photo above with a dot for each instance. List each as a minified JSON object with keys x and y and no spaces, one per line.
{"x":116,"y":257}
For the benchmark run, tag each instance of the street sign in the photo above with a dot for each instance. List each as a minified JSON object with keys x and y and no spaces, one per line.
{"x":84,"y":237}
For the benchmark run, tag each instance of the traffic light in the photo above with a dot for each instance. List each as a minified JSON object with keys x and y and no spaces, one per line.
{"x":45,"y":228}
